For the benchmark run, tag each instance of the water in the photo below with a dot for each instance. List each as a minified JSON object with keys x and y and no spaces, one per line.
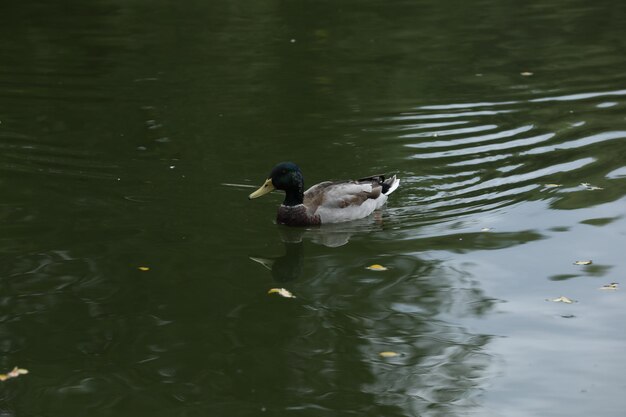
{"x":131,"y":133}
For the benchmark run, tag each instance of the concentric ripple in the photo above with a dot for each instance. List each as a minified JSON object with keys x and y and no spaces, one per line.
{"x":493,"y":154}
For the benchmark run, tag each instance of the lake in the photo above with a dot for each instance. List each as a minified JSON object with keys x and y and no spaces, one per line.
{"x":135,"y":272}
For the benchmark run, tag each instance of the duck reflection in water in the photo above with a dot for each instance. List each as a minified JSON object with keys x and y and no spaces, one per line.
{"x":288,"y":266}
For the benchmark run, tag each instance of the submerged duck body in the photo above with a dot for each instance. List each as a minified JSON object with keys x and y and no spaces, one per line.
{"x":326,"y":202}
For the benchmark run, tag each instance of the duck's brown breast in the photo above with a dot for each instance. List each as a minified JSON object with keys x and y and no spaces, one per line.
{"x":296,"y":216}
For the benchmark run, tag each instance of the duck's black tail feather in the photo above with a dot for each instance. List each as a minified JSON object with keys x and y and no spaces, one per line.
{"x":389,"y":185}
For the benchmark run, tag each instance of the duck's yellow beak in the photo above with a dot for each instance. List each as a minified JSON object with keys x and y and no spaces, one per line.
{"x":264,"y":189}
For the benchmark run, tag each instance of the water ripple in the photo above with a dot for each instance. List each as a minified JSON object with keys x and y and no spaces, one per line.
{"x":467,"y":140}
{"x":486,"y":148}
{"x":578,"y":143}
{"x":513,"y":147}
{"x":579,"y":96}
{"x":22,"y":153}
{"x":451,"y":115}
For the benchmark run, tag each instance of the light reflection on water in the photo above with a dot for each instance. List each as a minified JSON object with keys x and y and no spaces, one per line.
{"x":507,"y":164}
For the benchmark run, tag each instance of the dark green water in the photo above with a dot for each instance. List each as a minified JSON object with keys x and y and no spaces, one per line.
{"x":129,"y":130}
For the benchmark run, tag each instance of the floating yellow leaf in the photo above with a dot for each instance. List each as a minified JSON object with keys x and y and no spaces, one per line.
{"x":526,"y":73}
{"x":144,"y":268}
{"x":388,"y":354}
{"x":376,"y":267}
{"x":282,"y":292}
{"x":17,"y":372}
{"x":583,"y":262}
{"x":611,"y":286}
{"x":562,"y":299}
{"x":14,"y":373}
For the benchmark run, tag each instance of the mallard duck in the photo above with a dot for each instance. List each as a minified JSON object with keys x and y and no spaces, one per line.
{"x":326,"y":202}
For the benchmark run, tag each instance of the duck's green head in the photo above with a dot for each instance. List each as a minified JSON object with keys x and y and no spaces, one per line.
{"x":285,"y":176}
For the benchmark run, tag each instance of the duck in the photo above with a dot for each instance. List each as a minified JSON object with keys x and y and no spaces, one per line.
{"x":328,"y":201}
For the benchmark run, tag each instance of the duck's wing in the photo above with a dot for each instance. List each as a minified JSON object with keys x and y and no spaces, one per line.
{"x":341,"y":194}
{"x":344,"y":201}
{"x":351,"y":193}
{"x":314,"y":196}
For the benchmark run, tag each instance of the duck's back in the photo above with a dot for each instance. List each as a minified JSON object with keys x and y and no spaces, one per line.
{"x":336,"y":202}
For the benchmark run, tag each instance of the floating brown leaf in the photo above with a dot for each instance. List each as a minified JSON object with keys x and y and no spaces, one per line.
{"x":611,"y":286}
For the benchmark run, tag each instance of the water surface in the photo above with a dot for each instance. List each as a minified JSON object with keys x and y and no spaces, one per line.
{"x":131,"y":133}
